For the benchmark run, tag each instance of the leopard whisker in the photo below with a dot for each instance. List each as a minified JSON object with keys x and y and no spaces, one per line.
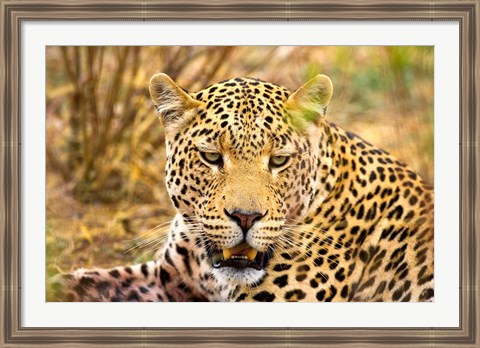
{"x":153,"y":230}
{"x":330,"y":239}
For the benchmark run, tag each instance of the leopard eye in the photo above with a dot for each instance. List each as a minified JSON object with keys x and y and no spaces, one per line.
{"x":278,"y":161}
{"x":212,"y":157}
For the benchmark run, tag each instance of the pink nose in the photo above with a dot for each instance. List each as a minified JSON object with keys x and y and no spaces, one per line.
{"x":244,"y":219}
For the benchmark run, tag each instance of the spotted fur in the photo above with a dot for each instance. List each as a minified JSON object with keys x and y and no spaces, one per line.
{"x":340,"y":220}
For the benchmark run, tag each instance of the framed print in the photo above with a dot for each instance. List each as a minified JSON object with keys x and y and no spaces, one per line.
{"x":87,"y":202}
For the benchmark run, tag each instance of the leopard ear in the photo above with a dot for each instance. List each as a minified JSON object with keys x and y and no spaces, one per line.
{"x":171,"y":101}
{"x":311,"y":100}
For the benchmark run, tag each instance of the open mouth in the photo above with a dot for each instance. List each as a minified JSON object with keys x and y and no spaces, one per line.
{"x":240,"y":257}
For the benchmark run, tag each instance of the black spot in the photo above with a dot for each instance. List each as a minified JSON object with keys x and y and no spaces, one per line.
{"x":361,"y":237}
{"x":391,"y":285}
{"x":322,"y":277}
{"x":281,"y":267}
{"x":300,"y":295}
{"x":127,"y":282}
{"x":341,"y":225}
{"x":264,"y":296}
{"x":322,"y":251}
{"x":164,"y":276}
{"x":86,"y":282}
{"x":301,"y":277}
{"x":426,"y":294}
{"x":318,"y":261}
{"x":288,"y":256}
{"x":351,"y":268}
{"x":333,"y":292}
{"x":241,"y":297}
{"x":339,"y":275}
{"x":381,"y":288}
{"x":181,"y":250}
{"x":403,"y":236}
{"x":184,"y":189}
{"x":361,"y":212}
{"x":114,"y":273}
{"x":355,"y":230}
{"x":144,"y":290}
{"x":175,"y":202}
{"x":397,"y":294}
{"x":332,"y":261}
{"x":321,"y":295}
{"x":303,"y":268}
{"x":396,"y":213}
{"x":329,"y":211}
{"x":403,"y":274}
{"x":363,"y":256}
{"x":133,"y":296}
{"x":281,"y":281}
{"x":144,"y":270}
{"x":425,"y":279}
{"x":344,"y":292}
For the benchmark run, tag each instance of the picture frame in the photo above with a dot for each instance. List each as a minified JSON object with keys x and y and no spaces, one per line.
{"x":14,"y":13}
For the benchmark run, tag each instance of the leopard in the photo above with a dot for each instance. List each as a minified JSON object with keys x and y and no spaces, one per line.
{"x":275,"y":203}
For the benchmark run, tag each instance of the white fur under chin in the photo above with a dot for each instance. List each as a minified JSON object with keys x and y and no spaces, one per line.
{"x":242,"y":277}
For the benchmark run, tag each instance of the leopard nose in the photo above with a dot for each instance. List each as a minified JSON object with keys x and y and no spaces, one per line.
{"x":244,"y":219}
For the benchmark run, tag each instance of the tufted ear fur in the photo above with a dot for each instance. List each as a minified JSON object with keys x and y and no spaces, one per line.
{"x":311,"y":100}
{"x":171,"y":101}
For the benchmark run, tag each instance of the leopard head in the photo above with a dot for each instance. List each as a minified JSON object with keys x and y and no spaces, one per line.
{"x":243,"y":161}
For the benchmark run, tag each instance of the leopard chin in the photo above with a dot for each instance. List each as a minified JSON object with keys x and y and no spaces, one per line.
{"x":238,"y":276}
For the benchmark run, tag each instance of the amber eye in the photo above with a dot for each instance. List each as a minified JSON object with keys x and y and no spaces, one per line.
{"x":212,"y":157}
{"x":278,"y":161}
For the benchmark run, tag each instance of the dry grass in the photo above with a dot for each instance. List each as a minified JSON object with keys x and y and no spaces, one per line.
{"x":105,"y":148}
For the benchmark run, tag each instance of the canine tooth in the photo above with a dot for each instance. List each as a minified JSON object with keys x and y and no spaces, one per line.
{"x":251,"y":254}
{"x":227,"y":254}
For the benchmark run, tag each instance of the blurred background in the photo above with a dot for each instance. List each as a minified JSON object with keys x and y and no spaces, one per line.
{"x":106,"y":198}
